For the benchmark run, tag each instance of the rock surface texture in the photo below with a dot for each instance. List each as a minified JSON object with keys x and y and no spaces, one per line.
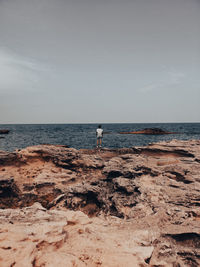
{"x":135,"y":206}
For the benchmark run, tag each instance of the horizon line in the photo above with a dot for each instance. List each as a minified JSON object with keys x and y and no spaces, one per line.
{"x":51,"y":123}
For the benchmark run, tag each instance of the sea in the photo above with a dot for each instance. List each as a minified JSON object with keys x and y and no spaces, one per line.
{"x":84,"y":135}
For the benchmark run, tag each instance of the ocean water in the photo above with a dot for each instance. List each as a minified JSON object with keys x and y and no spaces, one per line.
{"x":83,"y":135}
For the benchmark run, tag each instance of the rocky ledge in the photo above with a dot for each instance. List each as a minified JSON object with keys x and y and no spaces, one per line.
{"x":135,"y":206}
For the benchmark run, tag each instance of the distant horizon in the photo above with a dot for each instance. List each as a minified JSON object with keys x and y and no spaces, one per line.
{"x":98,"y":123}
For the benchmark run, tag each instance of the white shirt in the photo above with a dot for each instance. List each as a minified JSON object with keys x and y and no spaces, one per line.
{"x":99,"y":132}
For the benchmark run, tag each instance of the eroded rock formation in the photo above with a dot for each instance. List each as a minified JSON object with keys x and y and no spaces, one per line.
{"x":131,"y":207}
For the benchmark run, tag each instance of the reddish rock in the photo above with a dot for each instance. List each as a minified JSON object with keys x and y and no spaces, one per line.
{"x":152,"y":131}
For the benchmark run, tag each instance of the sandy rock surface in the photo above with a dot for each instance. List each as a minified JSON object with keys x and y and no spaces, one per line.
{"x":34,"y":236}
{"x":126,"y":207}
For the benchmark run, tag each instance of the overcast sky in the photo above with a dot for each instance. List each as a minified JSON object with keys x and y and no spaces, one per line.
{"x":82,"y":61}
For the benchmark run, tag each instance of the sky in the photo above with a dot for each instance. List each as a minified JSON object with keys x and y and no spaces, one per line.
{"x":99,"y":61}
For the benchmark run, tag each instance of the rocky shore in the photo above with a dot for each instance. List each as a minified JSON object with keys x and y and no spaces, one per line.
{"x":136,"y":206}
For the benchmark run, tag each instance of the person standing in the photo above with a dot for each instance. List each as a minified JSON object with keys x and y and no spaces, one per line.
{"x":99,"y":135}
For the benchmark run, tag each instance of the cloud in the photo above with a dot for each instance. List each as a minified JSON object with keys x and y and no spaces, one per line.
{"x":18,"y":73}
{"x":175,"y":77}
{"x":149,"y":87}
{"x":167,"y":78}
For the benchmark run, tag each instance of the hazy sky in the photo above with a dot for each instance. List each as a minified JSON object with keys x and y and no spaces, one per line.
{"x":65,"y":61}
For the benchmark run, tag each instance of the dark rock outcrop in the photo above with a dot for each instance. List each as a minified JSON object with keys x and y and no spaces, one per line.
{"x":4,"y":131}
{"x":8,"y":158}
{"x":152,"y":131}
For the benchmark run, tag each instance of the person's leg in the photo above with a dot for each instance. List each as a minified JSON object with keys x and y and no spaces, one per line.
{"x":100,"y":141}
{"x":97,"y":142}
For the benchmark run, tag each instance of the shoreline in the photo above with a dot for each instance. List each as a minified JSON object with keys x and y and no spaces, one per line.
{"x":83,"y":136}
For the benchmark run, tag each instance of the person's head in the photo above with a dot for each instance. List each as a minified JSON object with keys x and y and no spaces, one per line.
{"x":99,"y":126}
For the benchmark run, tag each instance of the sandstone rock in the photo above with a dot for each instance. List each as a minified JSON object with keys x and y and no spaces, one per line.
{"x":38,"y":237}
{"x":143,"y":202}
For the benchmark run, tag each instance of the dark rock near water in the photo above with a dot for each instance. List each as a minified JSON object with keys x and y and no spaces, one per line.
{"x":152,"y":131}
{"x":4,"y":131}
